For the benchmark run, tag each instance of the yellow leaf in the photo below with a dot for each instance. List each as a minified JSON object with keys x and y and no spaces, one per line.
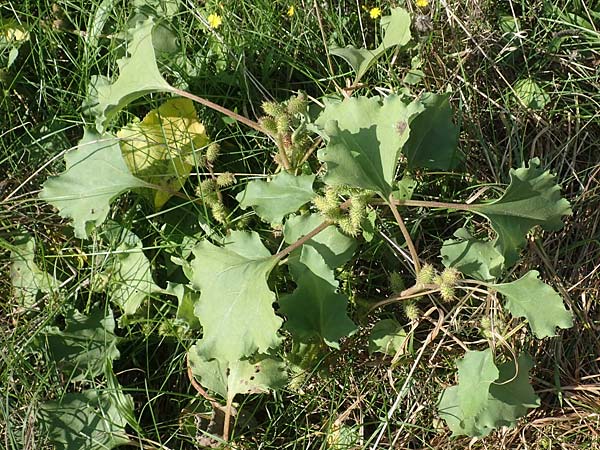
{"x":160,"y":149}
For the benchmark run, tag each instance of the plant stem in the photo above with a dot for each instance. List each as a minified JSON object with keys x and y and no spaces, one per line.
{"x":221,"y":109}
{"x":417,"y":290}
{"x":426,"y":204}
{"x":406,"y":234}
{"x":307,"y":237}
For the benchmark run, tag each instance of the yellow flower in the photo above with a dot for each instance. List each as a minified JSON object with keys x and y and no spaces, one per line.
{"x":215,"y":21}
{"x":422,"y":3}
{"x":375,"y":13}
{"x":291,"y":11}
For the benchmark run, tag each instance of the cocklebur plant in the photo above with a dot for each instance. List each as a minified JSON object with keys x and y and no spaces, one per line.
{"x":319,"y":203}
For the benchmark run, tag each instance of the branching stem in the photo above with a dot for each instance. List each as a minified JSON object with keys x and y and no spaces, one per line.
{"x":409,"y":242}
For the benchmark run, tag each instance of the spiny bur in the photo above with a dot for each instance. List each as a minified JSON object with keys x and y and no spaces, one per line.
{"x":212,"y":152}
{"x":274,"y":109}
{"x":219,"y":212}
{"x":411,"y":310}
{"x":396,"y":282}
{"x":269,"y":124}
{"x":426,"y":274}
{"x":283,"y":124}
{"x":446,"y":292}
{"x":297,"y":104}
{"x":450,"y":276}
{"x":225,"y":179}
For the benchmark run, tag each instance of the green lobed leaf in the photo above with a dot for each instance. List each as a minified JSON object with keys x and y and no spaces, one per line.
{"x":433,"y":140}
{"x":334,"y":247}
{"x":95,"y":175}
{"x":89,"y":420}
{"x":473,"y":257}
{"x":26,"y":277}
{"x":388,"y":337}
{"x":315,"y":311}
{"x":531,"y":298}
{"x":508,"y":399}
{"x":229,"y":378}
{"x":396,"y":31}
{"x":236,"y":304}
{"x":129,"y":272}
{"x":87,"y":343}
{"x":364,"y":140}
{"x":187,"y":299}
{"x":283,"y":195}
{"x":532,"y":198}
{"x":138,"y":76}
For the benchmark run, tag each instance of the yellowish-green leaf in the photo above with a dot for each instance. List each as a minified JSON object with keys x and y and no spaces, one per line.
{"x":160,"y":148}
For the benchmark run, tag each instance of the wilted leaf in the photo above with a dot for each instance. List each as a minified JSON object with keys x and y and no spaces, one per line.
{"x":537,"y":302}
{"x":95,"y":175}
{"x":160,"y":148}
{"x":281,"y":196}
{"x":236,"y":304}
{"x":532,"y":198}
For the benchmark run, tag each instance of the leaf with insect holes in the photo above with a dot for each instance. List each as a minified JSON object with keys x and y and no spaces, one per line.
{"x":433,"y":140}
{"x":256,"y":375}
{"x":283,"y":195}
{"x":89,"y":420}
{"x":509,"y":397}
{"x":236,"y":305}
{"x":473,"y":257}
{"x":364,"y":140}
{"x":95,"y":175}
{"x":26,"y":277}
{"x":532,"y":198}
{"x":315,"y":311}
{"x":138,"y":76}
{"x":86,"y":344}
{"x":160,"y":148}
{"x":396,"y":31}
{"x":531,"y":298}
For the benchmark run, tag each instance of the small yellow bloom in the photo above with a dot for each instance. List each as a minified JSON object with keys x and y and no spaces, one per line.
{"x":422,"y":3}
{"x":375,"y":13}
{"x":215,"y":21}
{"x":291,"y":11}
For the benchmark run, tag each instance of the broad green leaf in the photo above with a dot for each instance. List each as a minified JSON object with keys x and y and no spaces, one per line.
{"x":396,"y":31}
{"x":229,"y":378}
{"x":236,"y":304}
{"x":531,"y":94}
{"x":90,"y":420}
{"x":476,"y":372}
{"x":531,"y":298}
{"x":473,"y":257}
{"x":87,"y":343}
{"x":315,"y":311}
{"x":283,"y":195}
{"x":364,"y":139}
{"x":160,"y":148}
{"x":129,"y":272}
{"x":95,"y":175}
{"x":138,"y":76}
{"x":187,"y":299}
{"x":388,"y":337}
{"x":508,"y":399}
{"x":334,"y":247}
{"x":532,"y":198}
{"x":26,"y":277}
{"x":433,"y":140}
